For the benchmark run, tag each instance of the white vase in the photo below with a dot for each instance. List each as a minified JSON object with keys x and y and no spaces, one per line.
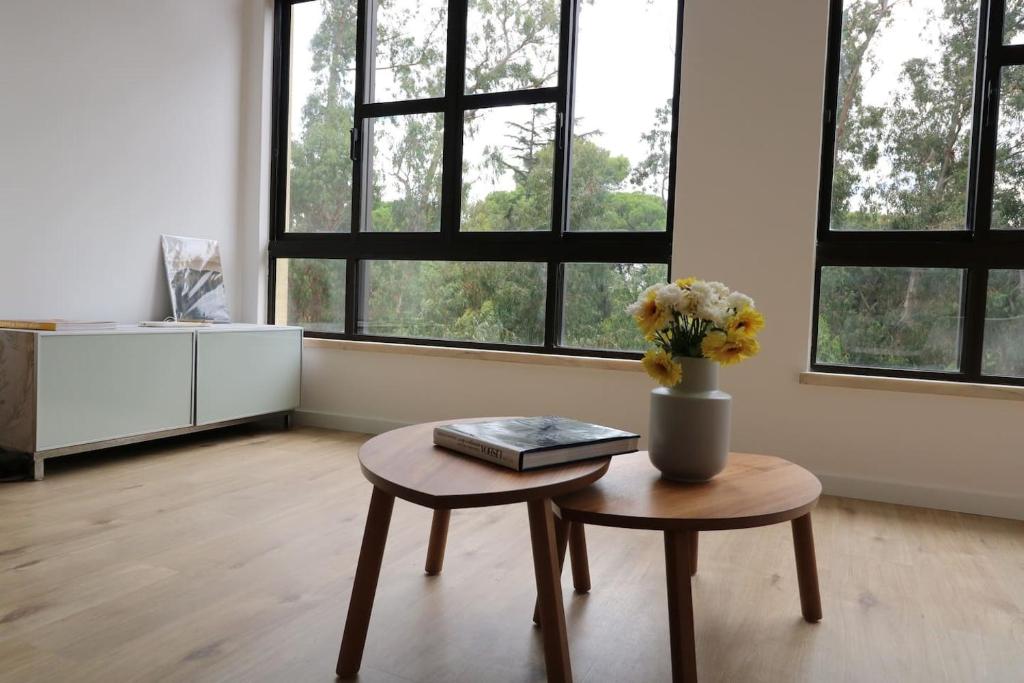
{"x":689,"y":435}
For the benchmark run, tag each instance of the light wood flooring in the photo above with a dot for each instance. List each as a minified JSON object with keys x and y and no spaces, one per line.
{"x":229,"y":557}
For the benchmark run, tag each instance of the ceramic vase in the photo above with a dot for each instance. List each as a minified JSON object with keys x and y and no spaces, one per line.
{"x":689,"y":434}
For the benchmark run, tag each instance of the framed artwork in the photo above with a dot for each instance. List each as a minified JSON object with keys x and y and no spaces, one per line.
{"x":195,"y":278}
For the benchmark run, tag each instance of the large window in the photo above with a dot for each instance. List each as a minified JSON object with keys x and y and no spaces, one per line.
{"x":920,"y":256}
{"x":492,"y":173}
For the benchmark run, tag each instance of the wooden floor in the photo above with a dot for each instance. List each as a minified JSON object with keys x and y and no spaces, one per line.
{"x":230,"y":558}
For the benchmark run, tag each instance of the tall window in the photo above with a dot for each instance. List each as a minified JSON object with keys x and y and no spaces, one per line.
{"x":920,"y":256}
{"x":492,"y":173}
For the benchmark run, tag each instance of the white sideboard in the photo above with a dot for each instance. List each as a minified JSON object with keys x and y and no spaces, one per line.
{"x":69,"y":392}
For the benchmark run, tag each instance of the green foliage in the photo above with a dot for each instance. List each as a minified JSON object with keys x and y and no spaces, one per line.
{"x":904,"y":165}
{"x":512,"y":45}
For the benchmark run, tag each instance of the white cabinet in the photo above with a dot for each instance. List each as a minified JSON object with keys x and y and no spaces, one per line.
{"x":99,"y":387}
{"x":69,"y":392}
{"x":252,"y":372}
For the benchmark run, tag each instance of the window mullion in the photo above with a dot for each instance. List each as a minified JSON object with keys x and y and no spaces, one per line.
{"x":972,"y":343}
{"x":455,"y":86}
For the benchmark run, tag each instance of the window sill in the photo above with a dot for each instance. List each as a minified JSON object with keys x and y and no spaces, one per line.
{"x":619,"y":364}
{"x":913,"y":386}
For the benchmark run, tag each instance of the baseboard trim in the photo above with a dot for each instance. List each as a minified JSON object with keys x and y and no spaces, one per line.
{"x":934,"y":497}
{"x":884,"y":491}
{"x":346,"y":423}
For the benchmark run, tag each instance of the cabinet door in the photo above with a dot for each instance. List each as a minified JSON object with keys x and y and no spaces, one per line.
{"x":246,"y":373}
{"x":108,"y":386}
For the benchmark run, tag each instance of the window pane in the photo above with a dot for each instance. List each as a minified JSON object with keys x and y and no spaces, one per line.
{"x":409,"y":56}
{"x":903,"y":115}
{"x":406,"y":191}
{"x":1004,"y":324}
{"x":596,"y":297}
{"x":1008,"y":188}
{"x":512,"y":45}
{"x":507,"y":161}
{"x":621,"y":142}
{"x":310,"y":293}
{"x":904,"y":318}
{"x":1013,"y":22}
{"x":320,"y":108}
{"x":493,"y":302}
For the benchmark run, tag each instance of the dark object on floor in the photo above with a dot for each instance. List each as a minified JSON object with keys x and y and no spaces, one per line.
{"x":15,"y":466}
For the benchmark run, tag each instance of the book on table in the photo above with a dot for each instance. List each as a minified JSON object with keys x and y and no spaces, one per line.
{"x":57,"y":325}
{"x":526,"y":443}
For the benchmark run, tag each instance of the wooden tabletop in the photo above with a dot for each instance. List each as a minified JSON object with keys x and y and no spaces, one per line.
{"x":406,"y":463}
{"x":753,"y":490}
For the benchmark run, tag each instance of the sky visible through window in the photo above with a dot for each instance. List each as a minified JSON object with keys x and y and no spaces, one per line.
{"x":640,"y":71}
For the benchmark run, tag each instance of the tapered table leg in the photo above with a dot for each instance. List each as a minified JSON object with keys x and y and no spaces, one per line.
{"x":694,"y":537}
{"x":806,"y":568}
{"x":578,"y":557}
{"x":549,"y":590}
{"x":438,"y":539}
{"x":680,"y":607}
{"x":561,"y":539}
{"x":364,"y":587}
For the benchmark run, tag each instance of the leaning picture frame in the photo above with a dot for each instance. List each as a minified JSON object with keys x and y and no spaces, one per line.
{"x":195,"y":279}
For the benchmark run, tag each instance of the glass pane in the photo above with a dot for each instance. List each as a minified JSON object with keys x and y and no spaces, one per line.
{"x":506,"y":169}
{"x":903,"y":318}
{"x":903,"y":115}
{"x":512,"y":45}
{"x":1008,"y":188}
{"x":478,"y":301}
{"x":409,"y":57}
{"x":621,"y":142}
{"x":596,"y":297}
{"x":1013,"y":22}
{"x":320,"y":110}
{"x":1004,"y":324}
{"x":406,"y":191}
{"x":310,"y":293}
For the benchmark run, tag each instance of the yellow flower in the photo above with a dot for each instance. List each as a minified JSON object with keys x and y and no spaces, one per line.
{"x":685,"y":282}
{"x":747,"y":322}
{"x":662,"y":369}
{"x":649,"y":316}
{"x":727,"y":348}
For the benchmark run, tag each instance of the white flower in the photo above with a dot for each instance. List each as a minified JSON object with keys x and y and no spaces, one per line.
{"x":671,"y":297}
{"x":700,"y":293}
{"x":719,"y":290}
{"x":714,"y":312}
{"x":739,"y":301}
{"x":645,"y":296}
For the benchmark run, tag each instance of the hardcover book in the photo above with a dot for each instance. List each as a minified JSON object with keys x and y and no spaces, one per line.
{"x":526,"y":443}
{"x":57,"y":325}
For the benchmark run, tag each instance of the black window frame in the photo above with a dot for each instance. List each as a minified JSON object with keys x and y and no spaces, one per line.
{"x":555,"y":247}
{"x":974,"y":250}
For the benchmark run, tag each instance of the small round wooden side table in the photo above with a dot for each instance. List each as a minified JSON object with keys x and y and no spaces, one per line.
{"x":404,"y":463}
{"x":753,"y":490}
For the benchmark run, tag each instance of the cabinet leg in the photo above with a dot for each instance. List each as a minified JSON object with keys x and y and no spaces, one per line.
{"x":438,"y":539}
{"x":37,"y":468}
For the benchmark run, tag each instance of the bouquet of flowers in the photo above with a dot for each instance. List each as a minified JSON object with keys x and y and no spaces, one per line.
{"x":695,"y":319}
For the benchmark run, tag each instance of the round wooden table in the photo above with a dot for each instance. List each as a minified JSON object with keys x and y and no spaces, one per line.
{"x":753,"y":490}
{"x":404,"y":463}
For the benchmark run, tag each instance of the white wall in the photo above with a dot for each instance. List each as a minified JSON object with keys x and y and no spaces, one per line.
{"x":750,"y":122}
{"x":121,"y":120}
